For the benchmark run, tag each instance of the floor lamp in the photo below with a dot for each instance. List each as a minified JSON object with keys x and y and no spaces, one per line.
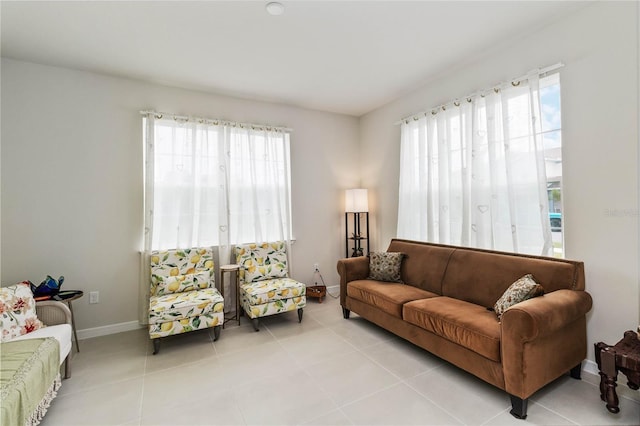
{"x":356,"y":203}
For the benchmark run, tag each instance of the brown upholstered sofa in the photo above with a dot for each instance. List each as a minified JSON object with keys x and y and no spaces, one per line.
{"x":442,"y":306}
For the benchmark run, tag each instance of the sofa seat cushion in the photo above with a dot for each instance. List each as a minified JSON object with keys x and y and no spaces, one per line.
{"x":387,"y":296}
{"x":464,"y":323}
{"x":174,"y":307}
{"x":274,"y":307}
{"x":260,"y":292}
{"x":185,"y":325}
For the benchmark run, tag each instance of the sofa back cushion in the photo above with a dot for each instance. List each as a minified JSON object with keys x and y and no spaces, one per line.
{"x":181,"y":270}
{"x":424,"y":264}
{"x":264,"y":261}
{"x":482,"y":276}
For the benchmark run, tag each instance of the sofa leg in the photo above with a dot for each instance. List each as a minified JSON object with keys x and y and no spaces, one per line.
{"x":519,"y":407}
{"x":345,"y":313}
{"x":156,"y":346}
{"x":576,"y":372}
{"x":255,"y":323}
{"x":216,"y":332}
{"x":67,"y":366}
{"x":300,"y":312}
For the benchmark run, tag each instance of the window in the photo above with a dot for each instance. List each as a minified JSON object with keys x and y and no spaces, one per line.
{"x":552,"y":139}
{"x":210,"y":184}
{"x":474,"y":172}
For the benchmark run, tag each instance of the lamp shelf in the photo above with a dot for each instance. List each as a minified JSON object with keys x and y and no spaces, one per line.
{"x":356,"y":203}
{"x":355,"y":238}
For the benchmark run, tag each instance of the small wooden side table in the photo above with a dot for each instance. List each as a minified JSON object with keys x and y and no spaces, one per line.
{"x":624,"y":356}
{"x":231,"y":269}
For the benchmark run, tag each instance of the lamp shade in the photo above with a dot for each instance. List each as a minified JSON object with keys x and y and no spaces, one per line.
{"x":356,"y":201}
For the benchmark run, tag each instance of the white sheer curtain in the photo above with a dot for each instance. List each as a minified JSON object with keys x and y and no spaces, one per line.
{"x":185,"y":185}
{"x":213,"y":184}
{"x":472,"y":173}
{"x":259,"y":185}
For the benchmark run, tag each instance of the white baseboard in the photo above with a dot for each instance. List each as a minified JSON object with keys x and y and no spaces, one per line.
{"x":333,"y":290}
{"x":88,"y":333}
{"x":590,"y":367}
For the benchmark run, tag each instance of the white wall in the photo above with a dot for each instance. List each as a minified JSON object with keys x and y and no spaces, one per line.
{"x":72,"y":179}
{"x":599,"y":47}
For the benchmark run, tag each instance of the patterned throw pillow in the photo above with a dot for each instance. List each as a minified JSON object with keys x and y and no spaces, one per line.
{"x":385,"y":266}
{"x":18,"y":310}
{"x":521,"y":290}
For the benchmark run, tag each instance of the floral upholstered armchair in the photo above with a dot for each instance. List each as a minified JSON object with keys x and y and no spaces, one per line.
{"x":265,"y":286}
{"x":183,"y":294}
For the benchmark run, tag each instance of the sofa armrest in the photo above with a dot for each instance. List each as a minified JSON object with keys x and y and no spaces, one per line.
{"x":51,"y":312}
{"x":351,"y":269}
{"x":540,"y":316}
{"x":543,"y":338}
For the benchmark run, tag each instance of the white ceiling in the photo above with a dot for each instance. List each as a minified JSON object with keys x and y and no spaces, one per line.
{"x":347,"y":57}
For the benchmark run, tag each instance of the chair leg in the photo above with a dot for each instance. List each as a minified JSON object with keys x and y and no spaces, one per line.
{"x":300,"y":312}
{"x":156,"y":346}
{"x":216,"y":332}
{"x":345,"y":313}
{"x":67,"y":366}
{"x":519,"y":407}
{"x":255,"y":323}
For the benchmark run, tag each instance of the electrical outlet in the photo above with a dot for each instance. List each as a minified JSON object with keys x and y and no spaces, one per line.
{"x":94,"y":297}
{"x":316,"y":267}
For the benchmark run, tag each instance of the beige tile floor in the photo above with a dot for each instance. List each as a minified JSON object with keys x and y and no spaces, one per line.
{"x":325,"y":371}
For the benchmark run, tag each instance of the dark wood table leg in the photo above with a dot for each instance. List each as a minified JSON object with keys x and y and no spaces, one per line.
{"x":603,"y":387}
{"x":608,"y":359}
{"x":599,"y":347}
{"x":634,"y":381}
